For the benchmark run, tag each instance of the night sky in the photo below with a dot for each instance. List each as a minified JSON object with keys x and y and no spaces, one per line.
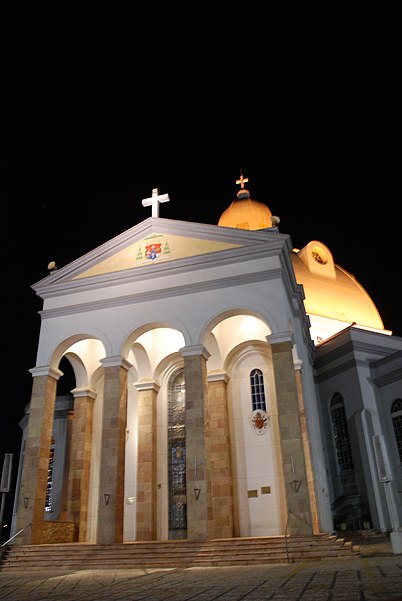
{"x":99,"y":110}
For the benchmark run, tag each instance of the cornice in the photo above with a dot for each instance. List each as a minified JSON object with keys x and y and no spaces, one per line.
{"x":116,"y":361}
{"x":389,"y":378}
{"x":141,"y":297}
{"x":146,"y":385}
{"x":49,"y":288}
{"x":195,"y":350}
{"x":46,"y":370}
{"x":335,"y":371}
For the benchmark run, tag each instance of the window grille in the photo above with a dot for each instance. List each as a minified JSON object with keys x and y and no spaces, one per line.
{"x":257,"y":390}
{"x":342,"y":447}
{"x":49,"y":484}
{"x":396,"y":413}
{"x":177,"y":457}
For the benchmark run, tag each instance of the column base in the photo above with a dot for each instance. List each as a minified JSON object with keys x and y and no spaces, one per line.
{"x":396,"y":542}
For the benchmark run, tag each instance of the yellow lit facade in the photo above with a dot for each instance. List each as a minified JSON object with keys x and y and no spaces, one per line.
{"x":212,"y":369}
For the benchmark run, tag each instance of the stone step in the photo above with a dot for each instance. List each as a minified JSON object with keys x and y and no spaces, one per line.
{"x":164,"y":554}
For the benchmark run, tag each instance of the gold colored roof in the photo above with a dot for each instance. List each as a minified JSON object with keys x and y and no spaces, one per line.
{"x":330,"y":291}
{"x":245,"y":213}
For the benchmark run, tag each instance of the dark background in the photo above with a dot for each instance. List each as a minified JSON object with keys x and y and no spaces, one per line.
{"x":100,"y":108}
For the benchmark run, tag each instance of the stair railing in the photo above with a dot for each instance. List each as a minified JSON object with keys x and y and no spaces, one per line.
{"x":9,"y":541}
{"x":288,"y":558}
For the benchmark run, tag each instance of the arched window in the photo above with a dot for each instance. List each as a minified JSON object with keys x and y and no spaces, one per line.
{"x":396,"y":416}
{"x":342,"y":446}
{"x":257,"y":390}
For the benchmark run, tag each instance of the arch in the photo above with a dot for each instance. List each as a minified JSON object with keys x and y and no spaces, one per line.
{"x":240,"y":353}
{"x":230,"y":330}
{"x":54,"y":354}
{"x":215,"y":362}
{"x":150,"y":344}
{"x":168,"y":365}
{"x":140,"y":360}
{"x":218,"y":318}
{"x":67,"y":382}
{"x":80,"y":373}
{"x":84,"y":356}
{"x":139,"y":332}
{"x":97,"y":378}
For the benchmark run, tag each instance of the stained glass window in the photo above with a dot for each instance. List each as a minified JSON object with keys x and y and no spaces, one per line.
{"x":49,"y":484}
{"x":177,"y":457}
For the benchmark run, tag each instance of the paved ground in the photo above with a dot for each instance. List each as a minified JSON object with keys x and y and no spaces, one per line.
{"x":375,"y":576}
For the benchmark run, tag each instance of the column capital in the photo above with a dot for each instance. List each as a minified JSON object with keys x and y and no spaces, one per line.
{"x":146,"y":385}
{"x":46,"y":370}
{"x":195,"y":349}
{"x":218,"y":376}
{"x":279,"y":337}
{"x":83,"y":392}
{"x":116,"y":361}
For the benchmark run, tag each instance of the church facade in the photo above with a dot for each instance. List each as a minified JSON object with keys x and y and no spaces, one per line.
{"x":225,"y":385}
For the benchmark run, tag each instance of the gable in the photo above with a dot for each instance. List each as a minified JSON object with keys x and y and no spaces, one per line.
{"x":154,"y":244}
{"x":158,"y":247}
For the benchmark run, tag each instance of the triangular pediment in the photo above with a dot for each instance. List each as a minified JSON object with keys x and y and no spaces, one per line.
{"x":157,"y":247}
{"x":153,"y":242}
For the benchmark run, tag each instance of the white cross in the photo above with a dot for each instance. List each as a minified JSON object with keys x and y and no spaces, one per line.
{"x":154,"y":201}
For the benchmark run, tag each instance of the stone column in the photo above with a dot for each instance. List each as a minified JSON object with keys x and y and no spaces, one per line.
{"x":199,"y":508}
{"x":146,"y":465}
{"x":291,"y":435}
{"x":218,"y":445}
{"x":32,"y":494}
{"x":112,"y":455}
{"x":80,"y":461}
{"x":307,"y":452}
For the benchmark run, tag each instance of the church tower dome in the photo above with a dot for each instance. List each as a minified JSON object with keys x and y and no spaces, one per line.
{"x":333,"y":297}
{"x":245,"y":213}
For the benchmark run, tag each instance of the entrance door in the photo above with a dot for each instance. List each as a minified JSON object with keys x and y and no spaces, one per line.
{"x":177,"y":458}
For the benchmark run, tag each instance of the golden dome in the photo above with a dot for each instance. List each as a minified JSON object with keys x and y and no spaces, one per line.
{"x":330,"y":291}
{"x":245,"y":213}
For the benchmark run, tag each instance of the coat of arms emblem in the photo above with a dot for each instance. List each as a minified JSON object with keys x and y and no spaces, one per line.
{"x":152,"y":251}
{"x":259,"y":421}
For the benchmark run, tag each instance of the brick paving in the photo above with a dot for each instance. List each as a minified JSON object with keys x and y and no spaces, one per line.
{"x":375,"y":576}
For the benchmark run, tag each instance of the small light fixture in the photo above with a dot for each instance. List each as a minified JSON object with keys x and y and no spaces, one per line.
{"x":106,"y":496}
{"x":295,"y":484}
{"x":26,"y":499}
{"x":197,"y":493}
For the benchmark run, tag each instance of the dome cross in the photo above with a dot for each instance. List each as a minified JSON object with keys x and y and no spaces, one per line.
{"x":242,"y":180}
